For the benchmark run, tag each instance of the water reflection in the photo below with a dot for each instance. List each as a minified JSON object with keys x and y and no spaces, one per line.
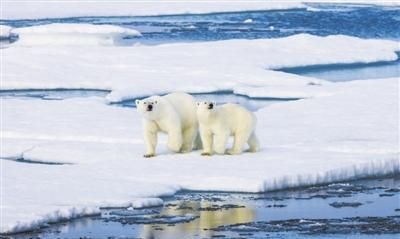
{"x":206,"y":211}
{"x":207,"y":219}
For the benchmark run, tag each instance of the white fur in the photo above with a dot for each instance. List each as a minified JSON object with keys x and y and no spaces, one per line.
{"x":173,"y":114}
{"x":218,"y":123}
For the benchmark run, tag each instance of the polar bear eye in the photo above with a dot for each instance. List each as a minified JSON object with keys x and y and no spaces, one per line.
{"x":155,"y":102}
{"x":145,"y":103}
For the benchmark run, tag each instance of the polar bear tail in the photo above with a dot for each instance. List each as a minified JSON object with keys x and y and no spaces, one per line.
{"x":253,"y":143}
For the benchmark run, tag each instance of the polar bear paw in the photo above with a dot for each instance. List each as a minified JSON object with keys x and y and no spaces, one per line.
{"x":149,"y":155}
{"x":233,"y":152}
{"x":205,"y":154}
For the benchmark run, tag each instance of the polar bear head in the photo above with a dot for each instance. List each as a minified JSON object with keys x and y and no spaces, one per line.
{"x":206,"y":105}
{"x":150,"y":108}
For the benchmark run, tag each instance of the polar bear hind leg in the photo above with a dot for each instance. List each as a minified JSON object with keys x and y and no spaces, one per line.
{"x":189,"y":135}
{"x":175,"y":141}
{"x":240,"y":139}
{"x":253,"y":143}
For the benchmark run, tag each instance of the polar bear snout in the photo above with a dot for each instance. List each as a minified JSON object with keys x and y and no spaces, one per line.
{"x":210,"y":106}
{"x":149,"y":107}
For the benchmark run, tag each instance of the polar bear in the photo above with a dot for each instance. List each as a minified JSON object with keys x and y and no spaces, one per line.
{"x":173,"y":114}
{"x":216,"y":124}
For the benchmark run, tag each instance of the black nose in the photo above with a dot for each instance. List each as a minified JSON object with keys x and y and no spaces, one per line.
{"x":149,"y":107}
{"x":210,"y":106}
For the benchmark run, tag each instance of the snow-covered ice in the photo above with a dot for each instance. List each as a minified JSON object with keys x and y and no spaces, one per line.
{"x":72,"y":34}
{"x":190,"y":67}
{"x":351,"y":133}
{"x":57,"y":9}
{"x":343,"y":131}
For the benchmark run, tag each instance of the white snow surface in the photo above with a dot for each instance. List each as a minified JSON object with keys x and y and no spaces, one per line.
{"x":60,"y":9}
{"x":72,"y":34}
{"x":5,"y":31}
{"x":236,"y":65}
{"x":350,"y":133}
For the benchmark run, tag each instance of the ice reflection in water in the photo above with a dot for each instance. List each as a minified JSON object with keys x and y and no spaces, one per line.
{"x":201,"y":215}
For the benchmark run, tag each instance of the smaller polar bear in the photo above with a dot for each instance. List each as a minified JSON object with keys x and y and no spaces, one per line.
{"x":218,"y":123}
{"x":173,"y":114}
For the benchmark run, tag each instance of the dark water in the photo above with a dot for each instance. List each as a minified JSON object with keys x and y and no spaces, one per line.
{"x":349,"y":72}
{"x":365,"y":21}
{"x":358,"y":209}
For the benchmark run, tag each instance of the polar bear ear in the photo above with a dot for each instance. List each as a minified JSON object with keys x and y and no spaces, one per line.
{"x":137,"y":102}
{"x":155,"y":102}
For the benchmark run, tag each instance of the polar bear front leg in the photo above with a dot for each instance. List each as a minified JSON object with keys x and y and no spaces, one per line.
{"x":220,"y":142}
{"x":188,"y":138}
{"x":150,"y":138}
{"x":175,"y":140}
{"x":207,"y":141}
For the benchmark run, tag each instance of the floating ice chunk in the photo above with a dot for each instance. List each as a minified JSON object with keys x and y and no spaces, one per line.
{"x":73,"y":34}
{"x":248,"y":20}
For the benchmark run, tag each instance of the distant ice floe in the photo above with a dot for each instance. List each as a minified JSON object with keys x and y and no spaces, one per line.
{"x":72,"y":34}
{"x":345,"y":134}
{"x":231,"y":65}
{"x":248,"y":20}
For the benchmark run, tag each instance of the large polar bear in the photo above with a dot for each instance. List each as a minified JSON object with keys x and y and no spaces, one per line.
{"x":218,"y":123}
{"x":173,"y":114}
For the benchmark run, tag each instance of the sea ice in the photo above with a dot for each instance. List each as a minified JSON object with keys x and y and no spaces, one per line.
{"x":346,"y":134}
{"x":236,"y":65}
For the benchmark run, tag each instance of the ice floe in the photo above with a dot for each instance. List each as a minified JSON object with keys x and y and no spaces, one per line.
{"x":350,"y":133}
{"x":235,"y":65}
{"x":72,"y":34}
